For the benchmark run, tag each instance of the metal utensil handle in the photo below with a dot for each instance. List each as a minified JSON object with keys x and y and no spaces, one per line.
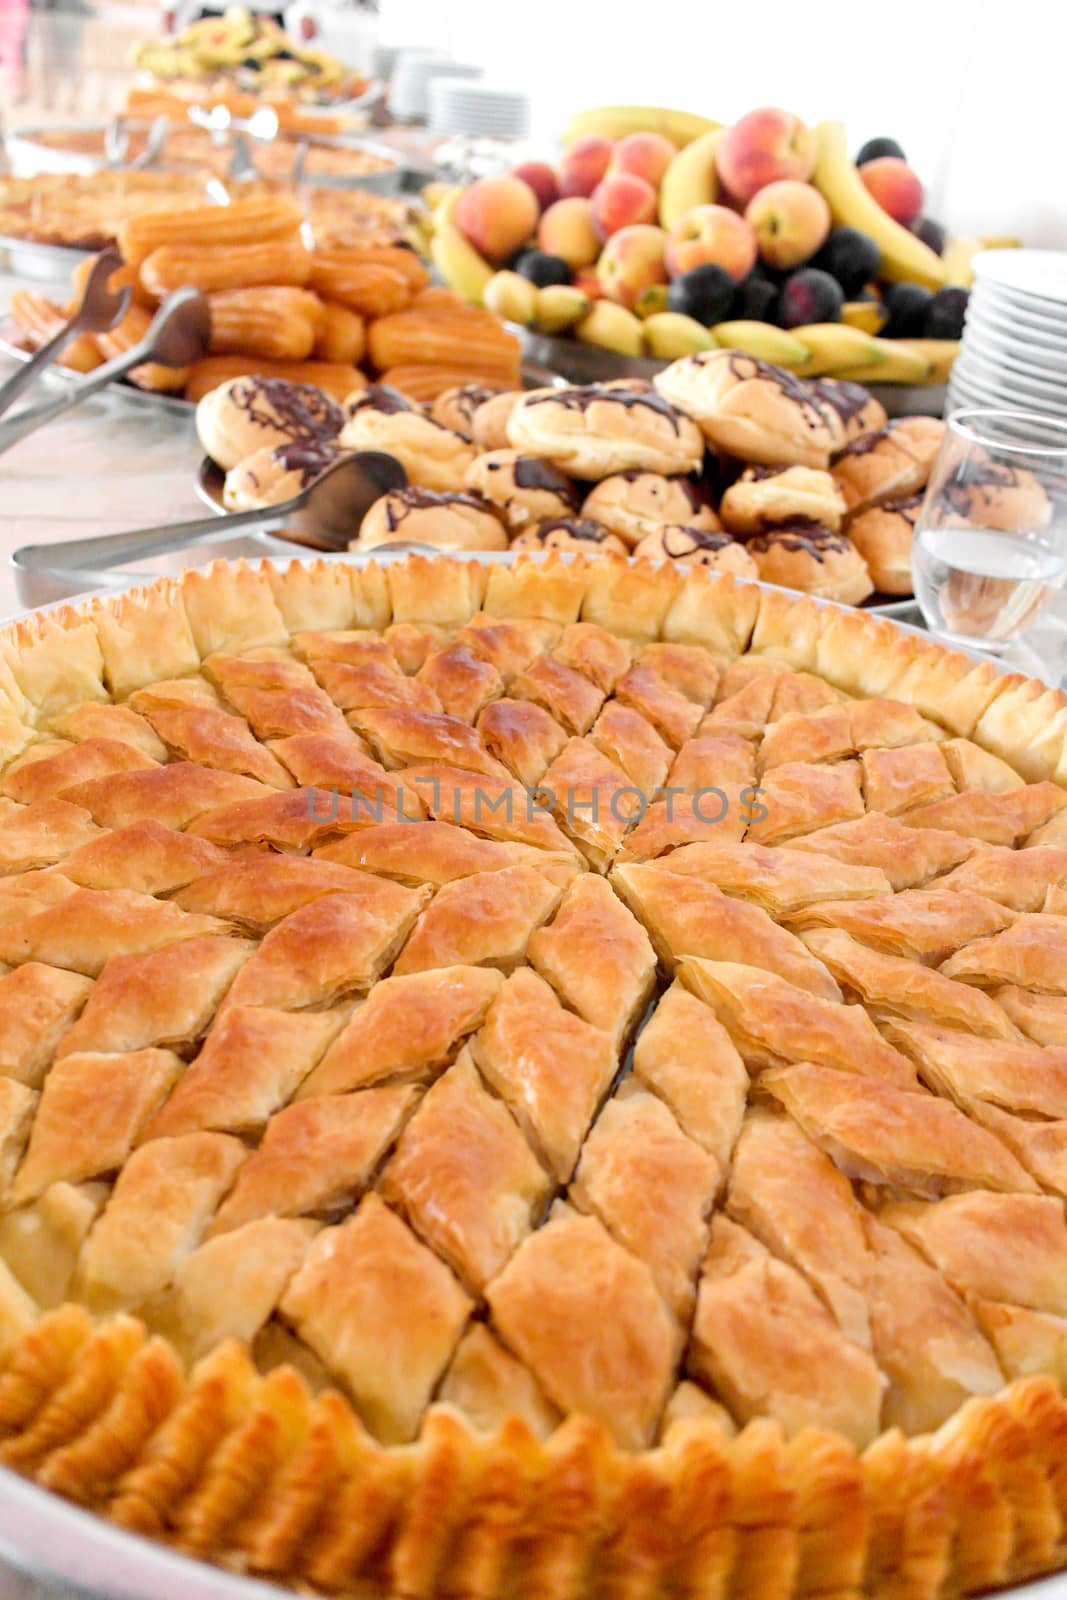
{"x":29,"y":421}
{"x":115,"y":548}
{"x":31,"y":370}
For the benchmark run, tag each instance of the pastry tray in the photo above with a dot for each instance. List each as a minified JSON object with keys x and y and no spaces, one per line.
{"x":52,"y":1550}
{"x":63,"y":377}
{"x":41,"y":263}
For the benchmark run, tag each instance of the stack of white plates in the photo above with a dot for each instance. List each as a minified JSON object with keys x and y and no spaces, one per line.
{"x":477,"y":111}
{"x":1014,"y":350}
{"x":415,"y":70}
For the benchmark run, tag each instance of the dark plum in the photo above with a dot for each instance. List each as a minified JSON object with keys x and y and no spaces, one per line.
{"x":851,"y":257}
{"x":705,"y":292}
{"x":931,"y":233}
{"x":874,"y":149}
{"x":945,"y":314}
{"x":543,"y":269}
{"x":907,"y":305}
{"x":754,"y":300}
{"x":809,"y":296}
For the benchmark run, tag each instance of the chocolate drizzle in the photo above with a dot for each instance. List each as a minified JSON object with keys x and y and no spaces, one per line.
{"x":573,"y":527}
{"x":744,"y":367}
{"x":300,"y":409}
{"x":847,"y":399}
{"x":309,"y":457}
{"x":381,"y":397}
{"x":530,"y":472}
{"x":864,"y":444}
{"x":679,"y":540}
{"x":903,"y":504}
{"x":801,"y":536}
{"x":402,"y":502}
{"x":974,"y":474}
{"x":581,"y":397}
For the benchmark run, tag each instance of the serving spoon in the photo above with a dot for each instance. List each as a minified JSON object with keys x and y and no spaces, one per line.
{"x":325,"y":516}
{"x":101,"y":308}
{"x":178,"y":335}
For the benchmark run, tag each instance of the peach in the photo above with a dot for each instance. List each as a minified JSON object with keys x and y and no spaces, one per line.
{"x":646,"y":155}
{"x":711,"y":234}
{"x":567,"y":231}
{"x":895,"y":187}
{"x":584,"y":164}
{"x":542,"y":180}
{"x":762,"y":148}
{"x":621,"y":200}
{"x":586,"y":279}
{"x":790,"y":221}
{"x":632,"y":261}
{"x":497,"y":215}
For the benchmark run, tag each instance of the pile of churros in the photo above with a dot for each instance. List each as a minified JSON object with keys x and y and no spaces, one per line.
{"x":326,"y":315}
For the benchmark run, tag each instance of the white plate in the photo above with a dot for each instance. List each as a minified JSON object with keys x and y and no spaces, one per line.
{"x":1028,"y":272}
{"x":1026,"y":313}
{"x":982,"y":333}
{"x":997,"y":370}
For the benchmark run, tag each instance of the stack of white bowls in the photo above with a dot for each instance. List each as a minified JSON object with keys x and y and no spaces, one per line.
{"x":1014,"y":350}
{"x":476,"y":111}
{"x":414,"y":72}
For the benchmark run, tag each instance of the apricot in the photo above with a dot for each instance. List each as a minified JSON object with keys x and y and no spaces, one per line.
{"x":632,"y":261}
{"x":646,"y":155}
{"x":584,"y":164}
{"x":763,"y":147}
{"x":567,"y":230}
{"x":542,"y":180}
{"x":790,"y":220}
{"x":712,"y":234}
{"x":620,"y":201}
{"x":895,"y":187}
{"x":497,"y":215}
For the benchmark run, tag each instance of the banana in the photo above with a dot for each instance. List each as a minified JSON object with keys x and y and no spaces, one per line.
{"x":763,"y":341}
{"x":560,"y":306}
{"x":615,"y":122}
{"x":869,"y":315}
{"x":957,"y":257}
{"x":651,"y":300}
{"x":690,"y":180}
{"x":612,"y":327}
{"x":940,"y":353}
{"x":444,"y":207}
{"x":511,"y":297}
{"x":669,"y":335}
{"x":459,"y":264}
{"x":1000,"y":241}
{"x":834,"y":345}
{"x":897,"y":363}
{"x":905,"y":259}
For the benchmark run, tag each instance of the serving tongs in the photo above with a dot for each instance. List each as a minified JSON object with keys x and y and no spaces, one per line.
{"x":117,"y":145}
{"x":101,"y":308}
{"x":325,"y":516}
{"x":178,"y":335}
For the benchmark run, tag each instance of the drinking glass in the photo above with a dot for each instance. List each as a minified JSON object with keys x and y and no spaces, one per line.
{"x":990,"y":544}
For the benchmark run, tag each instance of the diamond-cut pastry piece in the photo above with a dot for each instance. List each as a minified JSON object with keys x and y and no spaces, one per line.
{"x":592,"y":800}
{"x":486,"y":919}
{"x":780,"y":882}
{"x":801,"y":796}
{"x":745,"y":710}
{"x":95,"y":721}
{"x":509,"y":644}
{"x":488,"y":1385}
{"x":975,"y":768}
{"x":431,"y":852}
{"x":84,"y":930}
{"x":408,"y":1028}
{"x":91,"y":1111}
{"x":297,"y":820}
{"x":685,"y":1055}
{"x":585,"y":1317}
{"x":688,"y":917}
{"x":908,"y":856}
{"x":146,"y":857}
{"x":262,"y":889}
{"x":465,"y":1178}
{"x":332,"y":947}
{"x":569,"y":697}
{"x":462,"y":682}
{"x":522,"y":736}
{"x":632,"y":744}
{"x":652,"y":1187}
{"x":597,"y":956}
{"x":173,"y":795}
{"x":898,"y":780}
{"x":252,"y":1061}
{"x":278,"y":696}
{"x":763,"y":1339}
{"x":895,"y":1138}
{"x":490,"y":809}
{"x":1027,"y":1343}
{"x":355,"y":646}
{"x":161,"y":1202}
{"x":670,"y":710}
{"x":373,"y":686}
{"x":382,"y":1312}
{"x":708,"y":796}
{"x":166,"y":997}
{"x":1018,"y":879}
{"x":815,"y":736}
{"x":339,"y":761}
{"x":38,"y":1003}
{"x":773,"y":1023}
{"x":1010,"y":1247}
{"x":18,"y":1104}
{"x":601,"y":656}
{"x":41,"y":1243}
{"x":26,"y":893}
{"x":551,"y":1068}
{"x":906,"y":988}
{"x":42,"y":833}
{"x":37,"y":777}
{"x":1031,"y":953}
{"x":406,"y":738}
{"x":801,"y":693}
{"x":1041,"y":1017}
{"x":1017,"y":1075}
{"x":1004,"y":818}
{"x":316,"y":1157}
{"x":925,"y":923}
{"x":216,"y":738}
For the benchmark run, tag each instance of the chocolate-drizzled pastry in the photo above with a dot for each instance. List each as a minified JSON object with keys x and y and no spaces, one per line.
{"x":751,"y":409}
{"x":857,"y":408}
{"x":893,"y":461}
{"x":456,"y":408}
{"x":253,"y":413}
{"x":433,"y":456}
{"x":992,"y":494}
{"x":764,"y":497}
{"x":700,"y":546}
{"x":883,"y":536}
{"x":270,"y":477}
{"x":596,"y":430}
{"x":569,"y":533}
{"x":489,"y":425}
{"x":447,"y":520}
{"x":635,"y":504}
{"x":524,"y":489}
{"x":801,"y":555}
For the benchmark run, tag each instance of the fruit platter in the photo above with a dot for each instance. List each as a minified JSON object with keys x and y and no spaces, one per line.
{"x":248,"y":50}
{"x":658,"y":236}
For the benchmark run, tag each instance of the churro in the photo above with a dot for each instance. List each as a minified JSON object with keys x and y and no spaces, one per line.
{"x":235,"y":266}
{"x":395,"y":256}
{"x":245,"y":222}
{"x":478,"y":344}
{"x":341,"y":335}
{"x":281,"y":323}
{"x":123,"y":336}
{"x":423,"y":382}
{"x":38,"y":319}
{"x":366,"y":287}
{"x":336,"y":378}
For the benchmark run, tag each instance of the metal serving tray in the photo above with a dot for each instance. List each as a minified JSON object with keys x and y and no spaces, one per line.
{"x":52,"y":1550}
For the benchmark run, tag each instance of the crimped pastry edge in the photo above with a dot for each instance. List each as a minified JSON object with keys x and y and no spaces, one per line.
{"x":253,"y":1472}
